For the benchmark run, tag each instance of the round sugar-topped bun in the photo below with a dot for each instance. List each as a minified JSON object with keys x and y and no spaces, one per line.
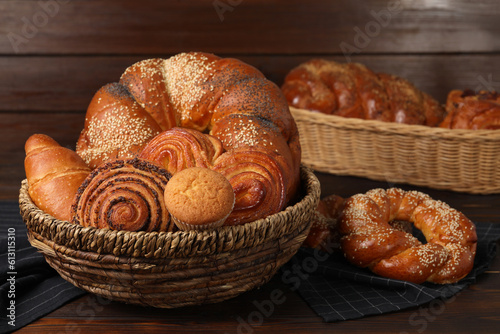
{"x":368,"y":240}
{"x":221,"y":97}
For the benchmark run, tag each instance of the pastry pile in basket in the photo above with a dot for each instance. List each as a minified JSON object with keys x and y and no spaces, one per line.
{"x":162,"y":117}
{"x":353,"y":90}
{"x":195,"y":142}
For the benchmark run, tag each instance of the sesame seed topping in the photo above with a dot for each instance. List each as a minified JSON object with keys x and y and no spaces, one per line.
{"x":185,"y":75}
{"x":116,"y":129}
{"x":450,"y":235}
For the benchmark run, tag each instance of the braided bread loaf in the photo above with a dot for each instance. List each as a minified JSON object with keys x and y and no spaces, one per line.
{"x":225,"y":98}
{"x":353,"y":90}
{"x":470,"y":110}
{"x":369,"y":241}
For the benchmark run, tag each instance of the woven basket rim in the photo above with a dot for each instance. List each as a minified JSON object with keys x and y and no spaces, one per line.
{"x":449,"y":159}
{"x":167,"y":244}
{"x":392,"y":127}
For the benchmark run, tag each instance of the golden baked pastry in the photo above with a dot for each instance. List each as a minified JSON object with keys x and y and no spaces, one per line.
{"x":124,"y":195}
{"x":54,"y":174}
{"x":180,"y":148}
{"x":470,"y":110}
{"x":222,"y":97}
{"x":199,"y":198}
{"x":369,"y":241}
{"x":353,"y":90}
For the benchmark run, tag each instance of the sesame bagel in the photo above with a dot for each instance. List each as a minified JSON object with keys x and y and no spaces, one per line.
{"x":368,"y":240}
{"x":223,"y":97}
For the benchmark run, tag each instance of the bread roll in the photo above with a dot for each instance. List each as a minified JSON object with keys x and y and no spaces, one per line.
{"x":54,"y":174}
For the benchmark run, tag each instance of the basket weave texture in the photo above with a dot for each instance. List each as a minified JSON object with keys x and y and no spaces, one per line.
{"x":457,"y":160}
{"x":167,"y":270}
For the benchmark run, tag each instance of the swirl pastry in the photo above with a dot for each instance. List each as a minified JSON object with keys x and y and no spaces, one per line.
{"x":124,"y":195}
{"x":368,"y":240}
{"x":180,"y":148}
{"x":353,"y":90}
{"x":469,"y":110}
{"x":223,"y":97}
{"x":257,"y":181}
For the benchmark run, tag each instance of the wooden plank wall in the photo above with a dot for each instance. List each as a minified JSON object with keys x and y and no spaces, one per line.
{"x":54,"y":54}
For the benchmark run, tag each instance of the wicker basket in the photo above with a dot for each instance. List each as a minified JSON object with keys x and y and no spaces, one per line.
{"x":457,"y":160}
{"x":172,"y":269}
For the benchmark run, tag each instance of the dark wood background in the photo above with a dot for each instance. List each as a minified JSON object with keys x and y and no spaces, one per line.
{"x":55,"y":54}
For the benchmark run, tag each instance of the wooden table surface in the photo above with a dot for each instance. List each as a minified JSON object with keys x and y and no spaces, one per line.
{"x":55,"y":54}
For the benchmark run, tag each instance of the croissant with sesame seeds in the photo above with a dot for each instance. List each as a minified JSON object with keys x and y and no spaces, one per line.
{"x":221,"y":97}
{"x":369,"y":241}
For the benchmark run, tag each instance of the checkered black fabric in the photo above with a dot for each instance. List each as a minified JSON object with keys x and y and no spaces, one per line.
{"x":337,"y":290}
{"x":38,"y":289}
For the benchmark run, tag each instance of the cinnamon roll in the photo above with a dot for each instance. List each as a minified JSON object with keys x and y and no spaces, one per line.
{"x":124,"y":195}
{"x":257,"y":180}
{"x":181,"y":148}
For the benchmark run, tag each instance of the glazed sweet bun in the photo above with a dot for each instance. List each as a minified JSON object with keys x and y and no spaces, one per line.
{"x":370,"y":241}
{"x":256,"y":144}
{"x":199,"y":199}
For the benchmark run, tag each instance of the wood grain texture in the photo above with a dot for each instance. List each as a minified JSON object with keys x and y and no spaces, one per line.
{"x":457,"y":315}
{"x":241,"y":27}
{"x":15,"y":129}
{"x":67,"y":84}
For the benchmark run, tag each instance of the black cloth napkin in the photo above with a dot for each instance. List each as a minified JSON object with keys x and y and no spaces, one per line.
{"x":29,"y":287}
{"x":337,"y":290}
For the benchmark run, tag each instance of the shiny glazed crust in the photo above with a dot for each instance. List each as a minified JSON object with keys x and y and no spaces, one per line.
{"x":353,"y":90}
{"x":54,"y":174}
{"x":368,"y":240}
{"x":469,"y":110}
{"x":223,"y":97}
{"x":180,"y":148}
